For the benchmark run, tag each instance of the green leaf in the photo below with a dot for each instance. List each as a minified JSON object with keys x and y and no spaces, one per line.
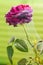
{"x":21,"y":45}
{"x":29,"y":63}
{"x":23,"y":61}
{"x":10,"y":53}
{"x":40,"y":47}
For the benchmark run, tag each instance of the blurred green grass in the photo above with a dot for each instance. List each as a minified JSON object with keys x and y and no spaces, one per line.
{"x":6,"y":31}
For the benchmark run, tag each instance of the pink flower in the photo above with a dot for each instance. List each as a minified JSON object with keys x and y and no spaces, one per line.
{"x":19,"y":15}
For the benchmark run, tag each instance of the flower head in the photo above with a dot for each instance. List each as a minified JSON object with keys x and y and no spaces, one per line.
{"x":19,"y":15}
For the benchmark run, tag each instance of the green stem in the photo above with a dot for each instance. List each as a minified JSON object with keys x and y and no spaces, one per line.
{"x":34,"y":49}
{"x":27,"y":36}
{"x":29,"y":40}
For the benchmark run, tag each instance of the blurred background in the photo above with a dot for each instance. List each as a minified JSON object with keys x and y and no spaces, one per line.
{"x":34,"y":29}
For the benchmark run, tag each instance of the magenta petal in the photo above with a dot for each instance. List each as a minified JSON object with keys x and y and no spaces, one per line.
{"x":19,"y":15}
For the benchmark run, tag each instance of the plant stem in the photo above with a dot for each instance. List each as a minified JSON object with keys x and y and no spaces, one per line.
{"x":29,"y":41}
{"x":27,"y":36}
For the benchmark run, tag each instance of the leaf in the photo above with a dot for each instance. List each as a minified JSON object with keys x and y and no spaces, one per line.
{"x":21,"y":45}
{"x":10,"y":53}
{"x":40,"y":47}
{"x":22,"y":61}
{"x":29,"y":63}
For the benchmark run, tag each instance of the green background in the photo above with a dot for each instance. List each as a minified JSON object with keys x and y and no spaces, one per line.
{"x":34,"y":29}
